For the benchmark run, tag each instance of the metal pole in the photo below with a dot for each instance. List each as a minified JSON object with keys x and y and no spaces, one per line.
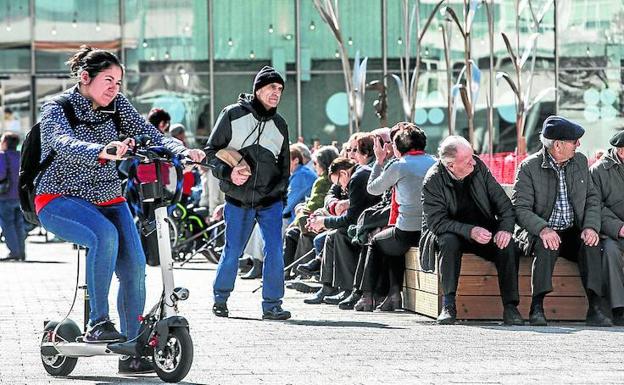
{"x":384,"y":41}
{"x":298,"y":64}
{"x":33,"y":85}
{"x":122,"y":36}
{"x":556,"y":35}
{"x":211,"y":62}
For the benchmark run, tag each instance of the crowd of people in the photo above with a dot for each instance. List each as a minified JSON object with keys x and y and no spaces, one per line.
{"x":387,"y":195}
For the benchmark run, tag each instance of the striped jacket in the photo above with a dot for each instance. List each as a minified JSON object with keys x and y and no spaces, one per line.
{"x":263,"y":143}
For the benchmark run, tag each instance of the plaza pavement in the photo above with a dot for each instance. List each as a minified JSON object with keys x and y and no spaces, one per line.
{"x":319,"y":345}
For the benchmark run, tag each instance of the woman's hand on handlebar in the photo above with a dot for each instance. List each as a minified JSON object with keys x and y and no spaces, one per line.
{"x":115,"y":150}
{"x":194,"y":154}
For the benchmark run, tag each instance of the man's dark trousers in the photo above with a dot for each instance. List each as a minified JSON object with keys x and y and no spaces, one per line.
{"x":573,"y":248}
{"x":452,"y":246}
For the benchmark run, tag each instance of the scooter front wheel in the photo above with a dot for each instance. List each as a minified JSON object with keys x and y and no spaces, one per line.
{"x":173,"y":362}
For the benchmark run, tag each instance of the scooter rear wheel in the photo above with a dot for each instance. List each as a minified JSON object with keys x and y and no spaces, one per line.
{"x":57,"y":365}
{"x":173,"y":363}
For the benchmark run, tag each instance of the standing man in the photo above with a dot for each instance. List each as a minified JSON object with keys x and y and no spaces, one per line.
{"x":466,"y":210}
{"x":558,"y":213}
{"x":255,"y":192}
{"x":608,"y":177}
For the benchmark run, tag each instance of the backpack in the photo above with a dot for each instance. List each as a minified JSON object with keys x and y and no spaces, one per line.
{"x":30,"y":167}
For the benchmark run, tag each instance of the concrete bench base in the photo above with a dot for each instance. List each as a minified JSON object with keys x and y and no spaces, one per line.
{"x":478,"y":295}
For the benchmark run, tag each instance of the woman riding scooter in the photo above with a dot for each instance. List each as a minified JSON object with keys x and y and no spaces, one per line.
{"x":79,"y":195}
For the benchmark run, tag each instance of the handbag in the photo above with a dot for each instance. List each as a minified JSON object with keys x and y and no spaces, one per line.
{"x":5,"y":184}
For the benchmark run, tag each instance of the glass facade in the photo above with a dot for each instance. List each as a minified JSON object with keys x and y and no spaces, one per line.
{"x":193,"y":57}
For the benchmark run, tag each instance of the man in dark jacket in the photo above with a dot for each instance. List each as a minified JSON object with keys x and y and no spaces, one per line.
{"x":253,"y":127}
{"x":608,"y":178}
{"x":558,"y":212}
{"x":466,"y":210}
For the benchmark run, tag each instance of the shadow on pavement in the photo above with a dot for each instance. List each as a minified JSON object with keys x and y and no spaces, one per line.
{"x":203,"y":268}
{"x":553,"y":328}
{"x":137,"y":379}
{"x":346,"y":324}
{"x":31,"y":261}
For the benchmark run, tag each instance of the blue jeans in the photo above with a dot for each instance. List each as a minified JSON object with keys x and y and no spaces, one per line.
{"x":239,"y":223}
{"x":319,"y":243}
{"x":12,"y":223}
{"x":112,"y":241}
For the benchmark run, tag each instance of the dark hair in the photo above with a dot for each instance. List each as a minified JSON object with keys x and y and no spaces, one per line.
{"x":409,"y":137}
{"x":295,"y":153}
{"x":92,"y":60}
{"x":340,"y":164}
{"x":325,"y":156}
{"x":12,"y":140}
{"x":157,"y":115}
{"x":365,"y":143}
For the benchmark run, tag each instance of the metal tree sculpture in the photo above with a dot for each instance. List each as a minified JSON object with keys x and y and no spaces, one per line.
{"x":408,"y":84}
{"x":466,"y":91}
{"x":355,"y":83}
{"x":523,"y":102}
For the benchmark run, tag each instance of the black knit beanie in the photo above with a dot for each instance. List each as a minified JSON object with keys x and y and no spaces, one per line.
{"x":267,"y":75}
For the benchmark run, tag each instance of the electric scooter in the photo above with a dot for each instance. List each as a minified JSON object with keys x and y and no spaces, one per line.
{"x":163,"y":334}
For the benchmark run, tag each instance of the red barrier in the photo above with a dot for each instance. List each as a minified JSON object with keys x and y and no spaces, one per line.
{"x":503,"y":165}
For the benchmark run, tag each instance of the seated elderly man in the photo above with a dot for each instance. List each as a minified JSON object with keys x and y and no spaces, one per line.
{"x":466,"y":210}
{"x":558,"y":213}
{"x":608,"y":177}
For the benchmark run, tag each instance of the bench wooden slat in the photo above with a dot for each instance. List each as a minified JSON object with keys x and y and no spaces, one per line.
{"x":478,"y":292}
{"x":474,"y":265}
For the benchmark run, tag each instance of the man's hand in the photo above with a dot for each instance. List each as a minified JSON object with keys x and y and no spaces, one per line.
{"x":550,"y":238}
{"x":502,"y":239}
{"x":590,"y":237}
{"x":621,"y":233}
{"x":217,"y":214}
{"x":239,"y":174}
{"x":194,"y":154}
{"x":341,"y":207}
{"x":316,"y":223}
{"x":480,"y":235}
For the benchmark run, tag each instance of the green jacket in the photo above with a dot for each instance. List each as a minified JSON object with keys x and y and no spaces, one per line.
{"x":317,"y":197}
{"x":535,"y":193}
{"x":608,"y":177}
{"x":440,"y":206}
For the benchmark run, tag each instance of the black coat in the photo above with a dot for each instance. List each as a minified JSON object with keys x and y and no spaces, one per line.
{"x":440,"y":207}
{"x":359,"y":200}
{"x":263,"y":143}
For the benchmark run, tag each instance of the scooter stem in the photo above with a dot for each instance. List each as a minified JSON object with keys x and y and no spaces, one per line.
{"x":166,"y":261}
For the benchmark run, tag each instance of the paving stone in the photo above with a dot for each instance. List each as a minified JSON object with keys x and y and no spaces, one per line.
{"x":320,"y":345}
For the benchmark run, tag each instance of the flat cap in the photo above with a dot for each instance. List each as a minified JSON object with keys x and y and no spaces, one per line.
{"x":617,"y":140}
{"x":560,"y":128}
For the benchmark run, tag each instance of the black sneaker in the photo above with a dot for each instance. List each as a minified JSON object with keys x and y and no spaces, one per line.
{"x":220,"y":309}
{"x":131,"y":365}
{"x":103,"y":332}
{"x":276,"y":313}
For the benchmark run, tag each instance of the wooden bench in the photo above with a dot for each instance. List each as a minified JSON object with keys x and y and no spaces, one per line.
{"x":478,"y":295}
